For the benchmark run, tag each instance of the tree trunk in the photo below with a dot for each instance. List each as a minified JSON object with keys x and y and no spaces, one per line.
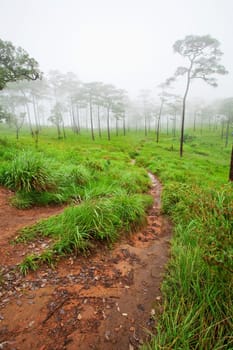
{"x":108,"y":123}
{"x":36,"y":133}
{"x":87,"y":126}
{"x":158,"y":121}
{"x":124,"y":131}
{"x":182,"y":126}
{"x":174,"y":126}
{"x":183,"y":109}
{"x":73,"y":122}
{"x":28,"y":113}
{"x":194,"y":122}
{"x":91,"y":119}
{"x":117,"y":133}
{"x":227,"y":132}
{"x":157,"y":130}
{"x":78,"y":119}
{"x":222,"y":129}
{"x":35,"y":112}
{"x":201,"y":124}
{"x":29,"y":119}
{"x":63,"y":129}
{"x":58,"y":131}
{"x":145,"y":126}
{"x":231,"y":166}
{"x":215,"y":124}
{"x":98,"y":118}
{"x":38,"y":115}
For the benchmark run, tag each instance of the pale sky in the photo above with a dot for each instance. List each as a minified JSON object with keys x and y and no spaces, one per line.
{"x":124,"y":42}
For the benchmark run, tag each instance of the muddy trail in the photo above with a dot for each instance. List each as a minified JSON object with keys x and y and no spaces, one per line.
{"x":108,"y":300}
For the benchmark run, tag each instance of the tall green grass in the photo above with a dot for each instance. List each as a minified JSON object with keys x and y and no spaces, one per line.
{"x":96,"y":179}
{"x":67,"y":171}
{"x":198,"y":288}
{"x":197,"y":291}
{"x":27,"y":172}
{"x":78,"y":227}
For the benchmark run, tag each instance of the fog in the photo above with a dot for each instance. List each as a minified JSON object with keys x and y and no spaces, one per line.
{"x":127,"y":43}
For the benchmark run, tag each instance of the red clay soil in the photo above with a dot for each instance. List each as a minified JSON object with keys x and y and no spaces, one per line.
{"x":109,"y":300}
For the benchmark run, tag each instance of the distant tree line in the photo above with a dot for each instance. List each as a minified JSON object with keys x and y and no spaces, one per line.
{"x":63,"y":100}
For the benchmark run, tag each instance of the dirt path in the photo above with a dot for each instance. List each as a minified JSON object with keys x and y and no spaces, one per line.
{"x":106,"y":301}
{"x":12,"y":219}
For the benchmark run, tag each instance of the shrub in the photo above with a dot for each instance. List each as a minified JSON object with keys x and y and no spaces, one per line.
{"x":28,"y":172}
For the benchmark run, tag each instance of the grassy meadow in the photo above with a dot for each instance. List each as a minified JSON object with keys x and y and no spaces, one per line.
{"x":106,"y":196}
{"x":198,"y":286}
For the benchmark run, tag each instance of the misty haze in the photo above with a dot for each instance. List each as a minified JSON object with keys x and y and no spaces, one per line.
{"x":116,"y":173}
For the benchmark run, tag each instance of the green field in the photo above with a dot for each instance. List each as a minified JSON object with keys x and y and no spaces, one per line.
{"x":100,"y":176}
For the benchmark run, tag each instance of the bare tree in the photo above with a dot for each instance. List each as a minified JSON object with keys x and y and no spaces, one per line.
{"x":146,"y":100}
{"x":56,"y":117}
{"x":203,"y":56}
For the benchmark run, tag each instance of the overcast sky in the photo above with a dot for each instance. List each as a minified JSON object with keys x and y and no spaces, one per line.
{"x":124,"y":42}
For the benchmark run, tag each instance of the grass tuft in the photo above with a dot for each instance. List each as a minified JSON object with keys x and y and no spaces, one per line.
{"x":74,"y":230}
{"x":27,"y":172}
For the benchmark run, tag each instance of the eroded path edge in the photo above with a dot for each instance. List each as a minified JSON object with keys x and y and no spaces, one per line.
{"x":109,"y":300}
